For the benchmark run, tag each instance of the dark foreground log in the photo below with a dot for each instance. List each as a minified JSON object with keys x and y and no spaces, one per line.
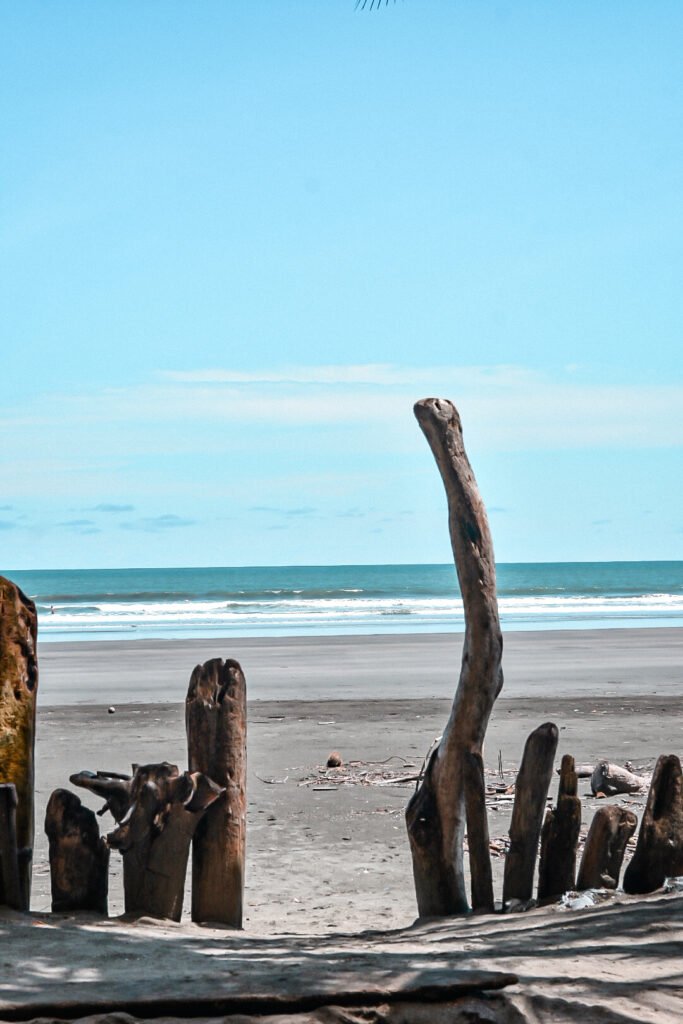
{"x":531,"y":790}
{"x":450,"y":795}
{"x":79,"y":856}
{"x":603,"y":854}
{"x":158,"y":809}
{"x":11,"y":890}
{"x":659,"y":850}
{"x":560,"y":837}
{"x":18,"y":693}
{"x":610,"y":779}
{"x":216,"y":724}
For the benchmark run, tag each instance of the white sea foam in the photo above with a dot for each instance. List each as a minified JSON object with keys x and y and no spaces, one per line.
{"x":297,"y":614}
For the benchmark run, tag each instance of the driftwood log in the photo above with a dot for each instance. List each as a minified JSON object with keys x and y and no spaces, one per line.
{"x":216,"y":724}
{"x":603,"y":854}
{"x":450,"y":796}
{"x":560,"y":837}
{"x":11,"y":890}
{"x":659,"y":850}
{"x":610,"y":779}
{"x":18,"y":693}
{"x":79,"y":856}
{"x":531,"y":790}
{"x":157,"y":809}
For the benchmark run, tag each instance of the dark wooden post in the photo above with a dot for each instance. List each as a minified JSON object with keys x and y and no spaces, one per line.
{"x":659,"y":850}
{"x":216,"y":723}
{"x":11,"y":892}
{"x":18,"y":692}
{"x":79,"y":856}
{"x":450,"y":794}
{"x":610,"y":831}
{"x":560,"y":837}
{"x":158,"y":810}
{"x":531,"y":790}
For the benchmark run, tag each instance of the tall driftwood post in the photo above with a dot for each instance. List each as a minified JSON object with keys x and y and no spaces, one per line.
{"x":216,"y":723}
{"x":450,"y":796}
{"x":18,"y":693}
{"x":560,"y":837}
{"x":79,"y":856}
{"x":659,"y":849}
{"x":531,"y":790}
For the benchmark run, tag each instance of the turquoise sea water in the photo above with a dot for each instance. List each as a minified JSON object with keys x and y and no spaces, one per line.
{"x":92,"y":604}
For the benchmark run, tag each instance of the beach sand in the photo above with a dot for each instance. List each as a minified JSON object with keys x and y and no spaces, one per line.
{"x":335,"y":857}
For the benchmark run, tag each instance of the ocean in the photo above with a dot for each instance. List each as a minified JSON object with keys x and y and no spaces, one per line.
{"x":115,"y":604}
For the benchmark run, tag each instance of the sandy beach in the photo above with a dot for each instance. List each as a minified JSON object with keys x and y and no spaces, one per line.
{"x":323,"y":856}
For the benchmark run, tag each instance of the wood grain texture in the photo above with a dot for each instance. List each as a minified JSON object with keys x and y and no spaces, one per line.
{"x":18,"y":695}
{"x":216,"y":726}
{"x":659,"y":849}
{"x":438,"y":813}
{"x":603,"y":854}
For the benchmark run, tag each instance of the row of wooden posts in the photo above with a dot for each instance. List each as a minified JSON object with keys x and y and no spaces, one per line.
{"x":160,"y":811}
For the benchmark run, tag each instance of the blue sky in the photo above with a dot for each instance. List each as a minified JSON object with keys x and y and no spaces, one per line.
{"x":240,"y":239}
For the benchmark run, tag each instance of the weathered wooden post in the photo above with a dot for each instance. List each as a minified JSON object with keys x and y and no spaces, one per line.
{"x":560,"y":837}
{"x":79,"y":856}
{"x":450,"y":795}
{"x":531,"y":790}
{"x":158,"y":809}
{"x":659,"y":849}
{"x":11,"y":892}
{"x":610,"y":831}
{"x":216,"y":723}
{"x":18,"y":692}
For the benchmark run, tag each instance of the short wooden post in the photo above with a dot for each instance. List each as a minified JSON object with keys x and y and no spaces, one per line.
{"x":11,"y":892}
{"x":79,"y":856}
{"x":18,"y":692}
{"x":659,"y":850}
{"x":603,"y":854}
{"x":560,"y":837}
{"x":481,"y":875}
{"x":531,"y":790}
{"x":216,"y":724}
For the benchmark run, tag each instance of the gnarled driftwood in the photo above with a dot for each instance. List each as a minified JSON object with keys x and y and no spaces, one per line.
{"x":18,"y":693}
{"x":659,"y":850}
{"x":437,"y":813}
{"x":157,"y":809}
{"x":79,"y":856}
{"x":603,"y":854}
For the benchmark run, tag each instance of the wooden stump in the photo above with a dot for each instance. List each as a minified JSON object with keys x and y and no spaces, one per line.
{"x":610,"y":831}
{"x":158,"y":810}
{"x":12,"y":893}
{"x":659,"y":850}
{"x":450,"y":794}
{"x":531,"y":790}
{"x":216,"y":724}
{"x":560,"y":837}
{"x":79,"y":856}
{"x":611,"y":779}
{"x":18,"y":692}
